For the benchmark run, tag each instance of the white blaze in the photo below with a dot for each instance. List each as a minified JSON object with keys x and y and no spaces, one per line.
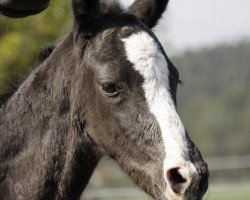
{"x":144,"y":53}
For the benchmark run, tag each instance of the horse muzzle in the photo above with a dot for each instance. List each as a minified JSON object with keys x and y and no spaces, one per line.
{"x":184,"y":182}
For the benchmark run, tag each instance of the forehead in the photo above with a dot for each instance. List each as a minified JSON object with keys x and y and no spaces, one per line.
{"x":144,"y":51}
{"x":147,"y":57}
{"x":111,"y":41}
{"x":114,"y":45}
{"x":125,"y":51}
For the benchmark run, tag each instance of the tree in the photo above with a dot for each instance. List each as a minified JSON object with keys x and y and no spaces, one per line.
{"x":21,"y":39}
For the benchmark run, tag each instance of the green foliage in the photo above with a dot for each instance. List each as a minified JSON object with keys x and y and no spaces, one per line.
{"x":215,"y":100}
{"x":21,"y":39}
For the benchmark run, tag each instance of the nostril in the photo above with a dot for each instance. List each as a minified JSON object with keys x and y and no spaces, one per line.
{"x":175,"y":177}
{"x":178,"y":179}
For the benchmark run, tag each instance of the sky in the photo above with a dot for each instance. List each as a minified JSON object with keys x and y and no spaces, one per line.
{"x":192,"y":24}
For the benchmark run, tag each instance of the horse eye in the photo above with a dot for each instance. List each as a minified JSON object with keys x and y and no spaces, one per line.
{"x":111,"y":89}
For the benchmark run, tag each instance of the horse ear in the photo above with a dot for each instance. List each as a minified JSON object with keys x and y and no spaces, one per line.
{"x":85,"y":12}
{"x":148,"y":11}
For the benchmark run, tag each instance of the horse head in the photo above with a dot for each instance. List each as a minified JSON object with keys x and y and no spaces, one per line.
{"x":128,"y":98}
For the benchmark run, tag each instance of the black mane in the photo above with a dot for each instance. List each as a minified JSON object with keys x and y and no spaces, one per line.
{"x":110,"y":7}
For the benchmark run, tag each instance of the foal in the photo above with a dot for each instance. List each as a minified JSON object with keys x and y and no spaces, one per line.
{"x":108,"y":88}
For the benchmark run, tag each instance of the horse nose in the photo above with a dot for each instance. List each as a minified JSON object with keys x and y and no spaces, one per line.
{"x":180,"y":178}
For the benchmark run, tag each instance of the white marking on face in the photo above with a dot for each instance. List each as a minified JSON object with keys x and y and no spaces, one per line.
{"x":145,"y":55}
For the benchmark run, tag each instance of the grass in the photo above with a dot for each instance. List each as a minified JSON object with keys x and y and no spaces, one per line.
{"x":229,"y":192}
{"x":230,"y":196}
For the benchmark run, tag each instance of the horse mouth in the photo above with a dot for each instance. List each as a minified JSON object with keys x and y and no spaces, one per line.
{"x":159,"y":194}
{"x":15,"y":13}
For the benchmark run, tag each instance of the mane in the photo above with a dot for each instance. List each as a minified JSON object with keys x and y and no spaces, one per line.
{"x":110,"y":8}
{"x":15,"y":84}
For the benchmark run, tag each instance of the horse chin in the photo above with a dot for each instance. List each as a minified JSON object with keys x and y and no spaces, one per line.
{"x":15,"y":13}
{"x":159,"y":194}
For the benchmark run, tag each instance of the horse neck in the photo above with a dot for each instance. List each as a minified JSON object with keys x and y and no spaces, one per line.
{"x":43,"y":137}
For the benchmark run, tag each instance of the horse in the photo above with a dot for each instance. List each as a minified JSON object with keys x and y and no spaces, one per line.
{"x":107,"y":88}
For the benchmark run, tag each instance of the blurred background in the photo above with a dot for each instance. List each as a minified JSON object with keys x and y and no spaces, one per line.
{"x":209,"y":42}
